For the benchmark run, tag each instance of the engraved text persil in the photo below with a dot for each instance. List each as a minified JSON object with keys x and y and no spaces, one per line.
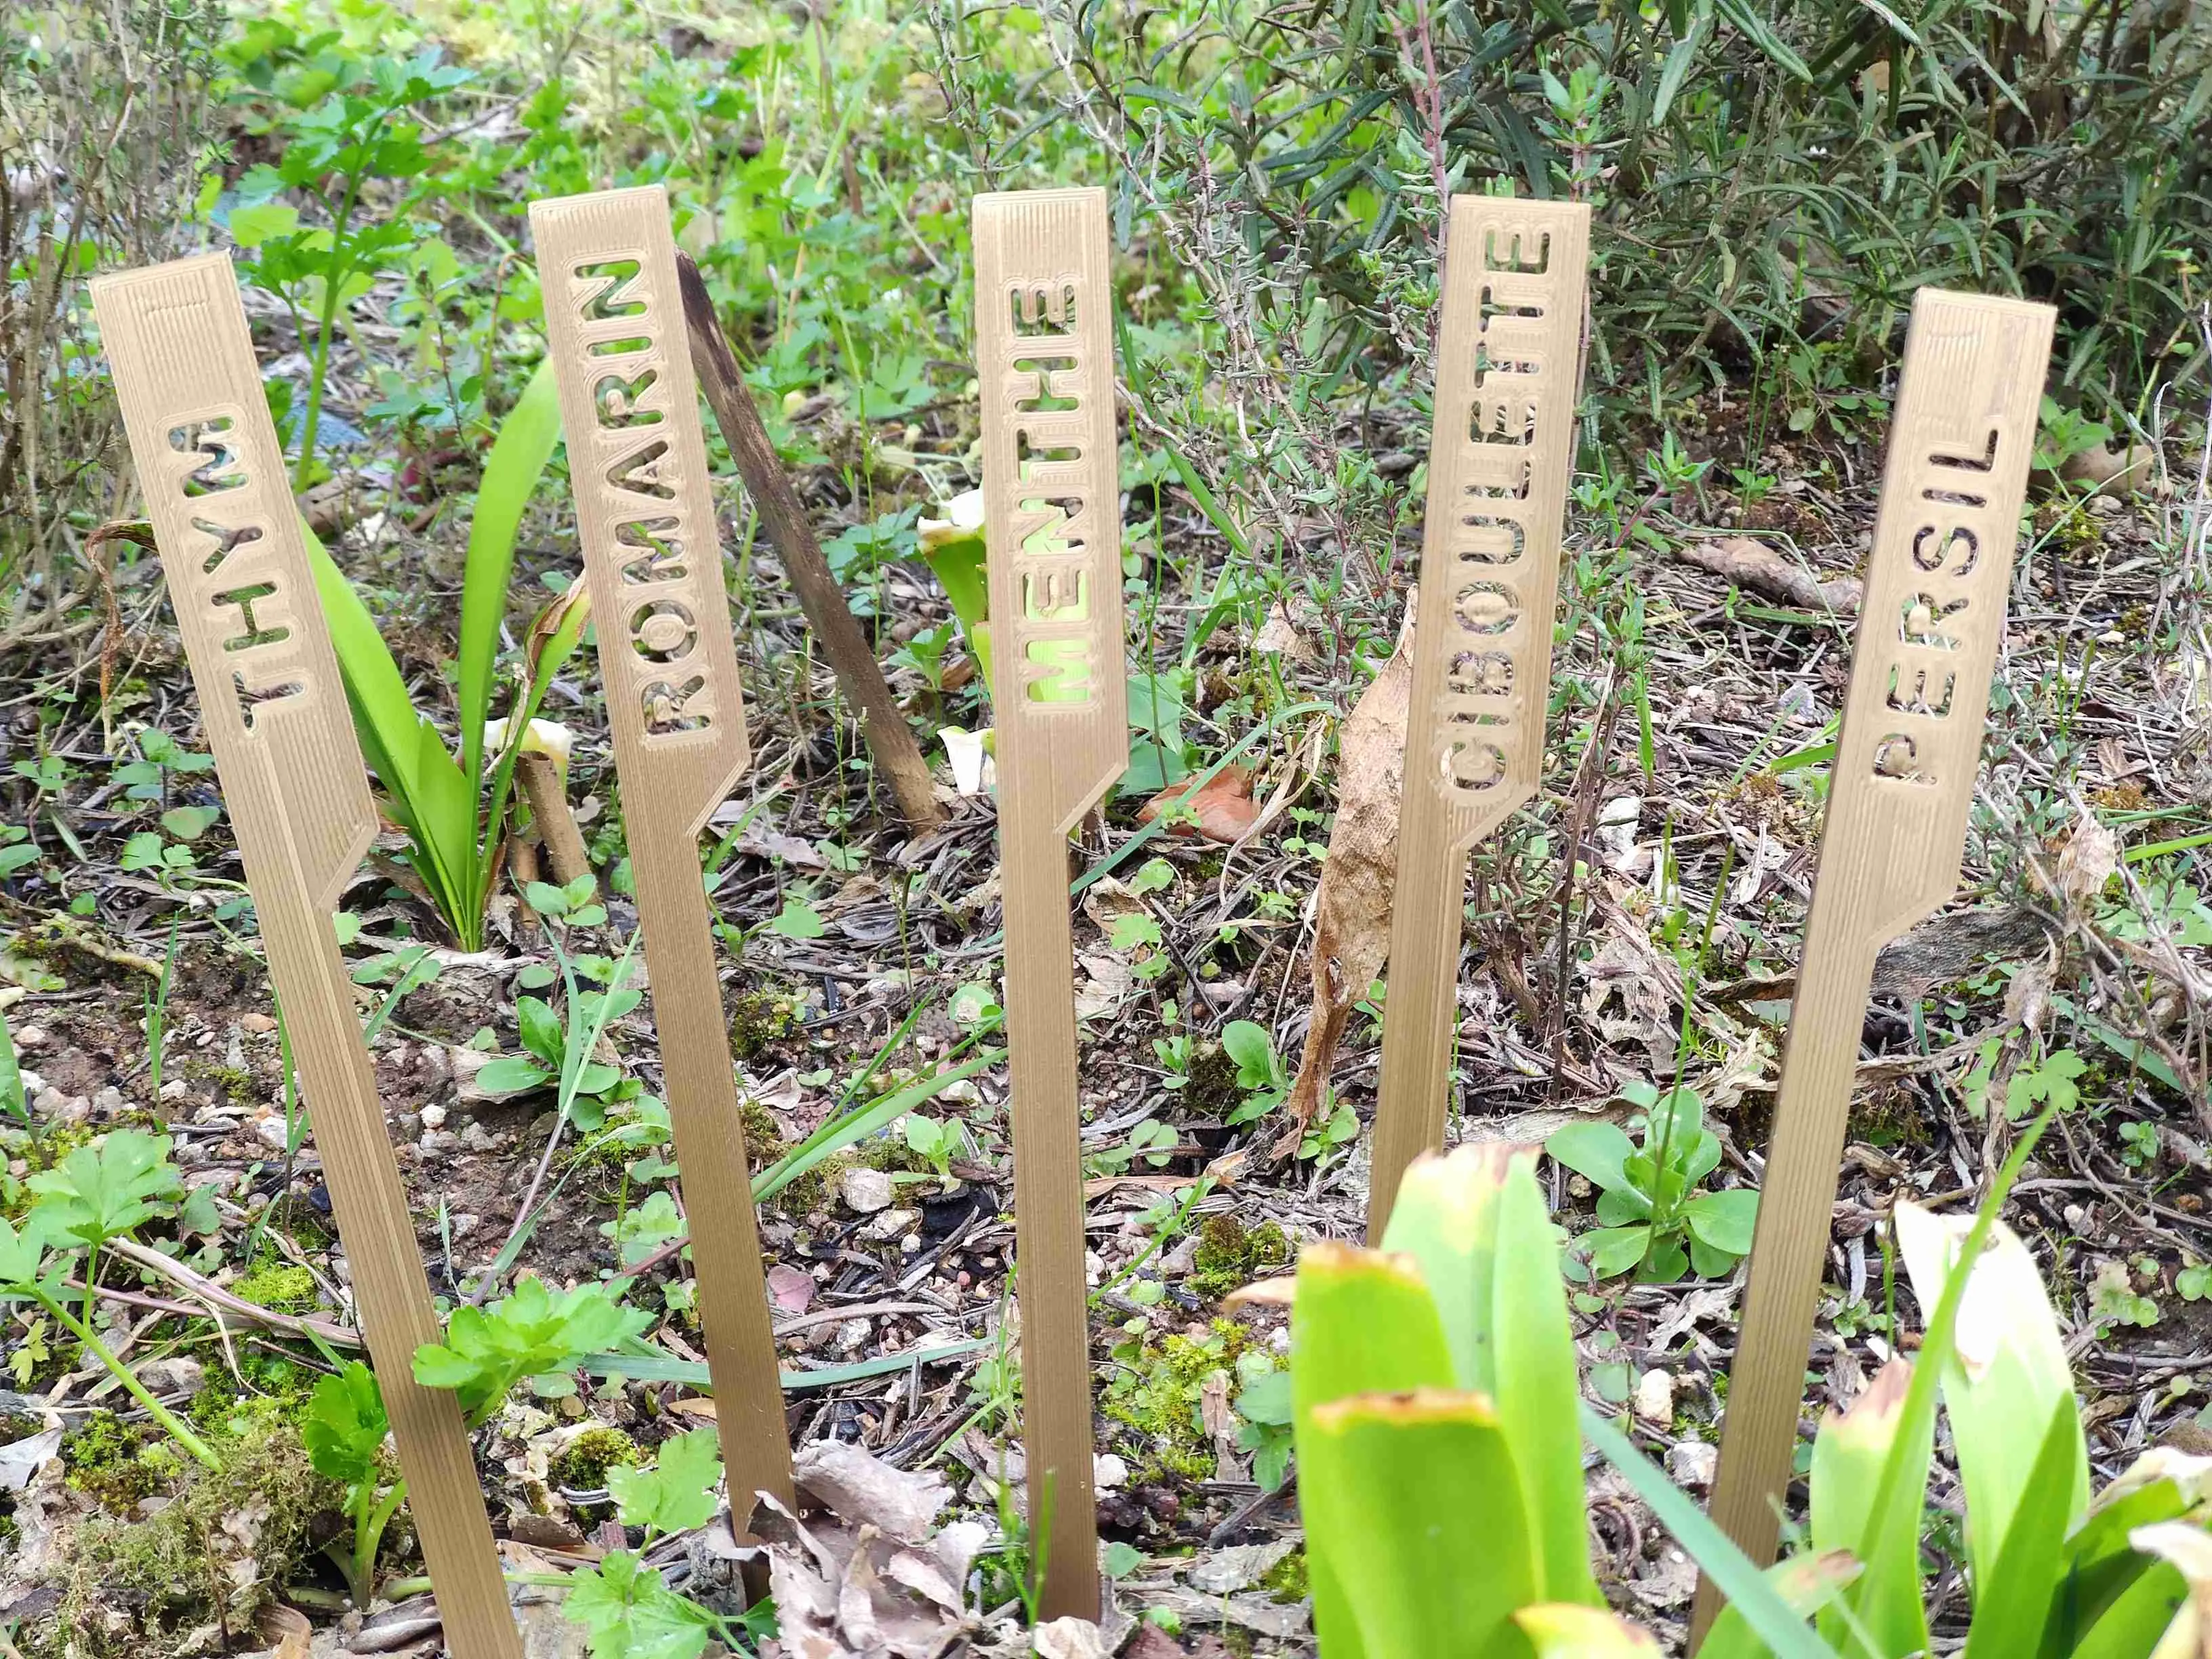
{"x":1955,"y":520}
{"x":622,"y":324}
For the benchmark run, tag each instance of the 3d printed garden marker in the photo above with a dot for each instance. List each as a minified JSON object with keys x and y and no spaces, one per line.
{"x":1896,"y":826}
{"x":637,"y":461}
{"x":1500,"y":451}
{"x":1052,"y":507}
{"x":297,"y":795}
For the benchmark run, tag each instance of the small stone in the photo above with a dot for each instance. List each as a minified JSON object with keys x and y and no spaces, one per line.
{"x":889,"y":1225}
{"x":1654,"y":1397}
{"x":109,"y":1103}
{"x":270,"y":1130}
{"x":853,"y":1336}
{"x":866,"y":1191}
{"x":433,"y":1117}
{"x":31,"y":1037}
{"x":1692,"y":1463}
{"x":1238,"y":1567}
{"x":177,"y":1375}
{"x":259,"y":1024}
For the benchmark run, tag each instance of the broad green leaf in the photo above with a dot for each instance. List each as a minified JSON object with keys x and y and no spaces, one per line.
{"x":1724,"y":1219}
{"x":345,"y":1425}
{"x":2013,"y":1603}
{"x":797,"y":921}
{"x":411,"y":761}
{"x":1445,"y":1216}
{"x":1849,"y":1452}
{"x":512,"y":470}
{"x":959,"y":565}
{"x":628,"y":1612}
{"x":1806,"y":1583}
{"x":2185,"y":1547}
{"x":2100,"y":1590}
{"x":540,"y":1028}
{"x":101,"y":1192}
{"x":510,"y":1074}
{"x":534,"y":1332}
{"x":676,"y":1494}
{"x":1247,"y":1043}
{"x":252,"y":223}
{"x":1598,"y":1151}
{"x":19,"y":1256}
{"x":1569,"y":1631}
{"x":2009,"y":1373}
{"x":1361,"y":1322}
{"x":189,"y":822}
{"x":1615,"y":1249}
{"x":2132,"y":1623}
{"x":1424,"y":1571}
{"x":1537,"y":1388}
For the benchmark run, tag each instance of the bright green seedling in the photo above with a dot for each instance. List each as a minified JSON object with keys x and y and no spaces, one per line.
{"x":1651,"y":1218}
{"x":939,"y":1141}
{"x":455,"y":813}
{"x":103,"y":1191}
{"x":626,"y":1608}
{"x":1260,"y":1073}
{"x":359,"y":134}
{"x":536,"y":1334}
{"x":28,"y":1274}
{"x":344,"y":1433}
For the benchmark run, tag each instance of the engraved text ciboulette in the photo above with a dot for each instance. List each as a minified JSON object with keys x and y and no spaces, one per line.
{"x":229,"y":572}
{"x":634,"y":470}
{"x":1047,"y":387}
{"x":1489,"y":632}
{"x":1948,"y":493}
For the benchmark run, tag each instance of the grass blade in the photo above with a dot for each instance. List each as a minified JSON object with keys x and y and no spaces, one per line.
{"x":511,"y":475}
{"x":1771,"y":1617}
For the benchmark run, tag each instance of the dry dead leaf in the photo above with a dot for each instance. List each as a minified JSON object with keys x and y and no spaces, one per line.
{"x":790,"y":1289}
{"x":1351,"y":911}
{"x":856,"y":1486}
{"x":2092,"y":854}
{"x":1223,"y":806}
{"x":286,"y":1630}
{"x":1068,"y":1638}
{"x":844,"y":1589}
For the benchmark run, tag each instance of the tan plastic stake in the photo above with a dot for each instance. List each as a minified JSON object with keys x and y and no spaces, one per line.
{"x":1895,"y":832}
{"x":1500,"y":451}
{"x":637,"y":462}
{"x":1045,"y":354}
{"x":297,"y":794}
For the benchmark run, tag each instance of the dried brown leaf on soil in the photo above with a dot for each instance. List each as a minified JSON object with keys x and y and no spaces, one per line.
{"x":1351,"y":911}
{"x":861,"y":1573}
{"x":1223,"y":806}
{"x":1772,"y":575}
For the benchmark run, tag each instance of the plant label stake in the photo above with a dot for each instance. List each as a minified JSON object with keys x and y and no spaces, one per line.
{"x":1052,"y":513}
{"x":1499,"y":454}
{"x":297,"y":794}
{"x":1895,"y":832}
{"x":645,"y":512}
